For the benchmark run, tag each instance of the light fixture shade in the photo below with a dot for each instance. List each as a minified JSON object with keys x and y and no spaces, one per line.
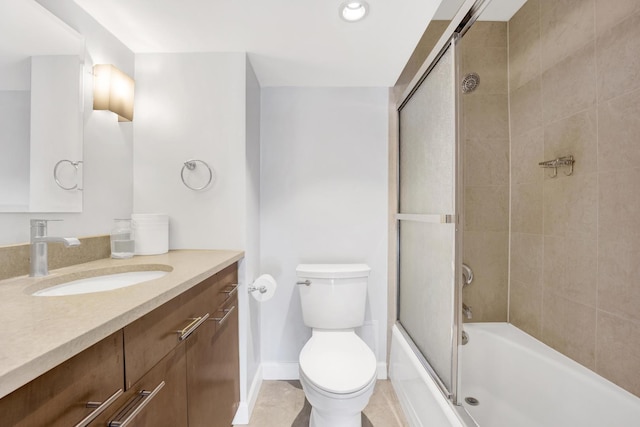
{"x":113,"y":91}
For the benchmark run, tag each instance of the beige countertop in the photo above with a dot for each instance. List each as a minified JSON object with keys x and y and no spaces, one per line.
{"x":39,"y":333}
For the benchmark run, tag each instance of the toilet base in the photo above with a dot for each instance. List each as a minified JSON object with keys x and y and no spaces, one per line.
{"x":323,"y":419}
{"x":329,"y":410}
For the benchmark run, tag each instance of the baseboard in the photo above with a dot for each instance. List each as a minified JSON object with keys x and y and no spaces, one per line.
{"x":382,"y":371}
{"x":243,"y":414}
{"x":280,"y":371}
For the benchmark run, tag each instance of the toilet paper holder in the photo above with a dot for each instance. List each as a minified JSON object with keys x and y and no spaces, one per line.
{"x":262,"y":289}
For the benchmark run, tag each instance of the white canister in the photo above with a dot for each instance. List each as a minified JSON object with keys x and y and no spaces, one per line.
{"x":152,"y":233}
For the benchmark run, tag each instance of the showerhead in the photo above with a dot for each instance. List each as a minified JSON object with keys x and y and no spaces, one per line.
{"x":470,"y":82}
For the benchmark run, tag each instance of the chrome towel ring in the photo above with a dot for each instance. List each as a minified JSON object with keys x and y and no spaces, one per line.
{"x":75,"y":164}
{"x":191,"y":166}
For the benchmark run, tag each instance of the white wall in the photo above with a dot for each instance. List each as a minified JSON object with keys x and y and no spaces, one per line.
{"x":192,"y":106}
{"x":205,"y":106}
{"x":107,"y":151}
{"x":323,"y":200}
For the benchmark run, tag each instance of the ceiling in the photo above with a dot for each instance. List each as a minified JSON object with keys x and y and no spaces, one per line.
{"x":289,"y":42}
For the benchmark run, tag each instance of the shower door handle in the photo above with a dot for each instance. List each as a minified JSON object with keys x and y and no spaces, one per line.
{"x":303,"y":282}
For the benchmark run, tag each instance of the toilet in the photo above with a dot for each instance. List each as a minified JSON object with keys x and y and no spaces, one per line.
{"x":337,"y":368}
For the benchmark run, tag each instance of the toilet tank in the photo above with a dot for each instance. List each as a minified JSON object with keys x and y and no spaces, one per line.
{"x":336,"y":295}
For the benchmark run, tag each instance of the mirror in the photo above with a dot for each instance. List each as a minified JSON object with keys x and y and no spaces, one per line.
{"x":41,"y":61}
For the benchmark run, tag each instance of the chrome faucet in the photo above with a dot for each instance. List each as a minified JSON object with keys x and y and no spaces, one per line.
{"x":39,"y":262}
{"x":466,"y":310}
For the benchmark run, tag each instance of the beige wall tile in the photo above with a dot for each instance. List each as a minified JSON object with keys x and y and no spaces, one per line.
{"x":525,"y":307}
{"x":576,"y":135}
{"x":619,"y":204}
{"x":490,"y":63}
{"x":618,"y":130}
{"x":617,"y":356}
{"x":486,"y":34}
{"x":569,"y":86}
{"x":565,"y":27}
{"x":608,"y":16}
{"x":524,"y":45}
{"x":571,"y":205}
{"x":618,"y":56}
{"x":486,"y":116}
{"x":554,"y":205}
{"x":581,"y":200}
{"x":524,"y":60}
{"x":526,"y":208}
{"x":487,"y":208}
{"x":570,"y":269}
{"x":486,"y":161}
{"x":525,"y":24}
{"x":487,"y":255}
{"x":526,"y":107}
{"x":618,"y":272}
{"x":526,"y":258}
{"x":570,"y":328}
{"x":527,"y":150}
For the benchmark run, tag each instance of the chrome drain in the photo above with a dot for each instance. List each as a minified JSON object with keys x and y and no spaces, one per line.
{"x":472,"y":401}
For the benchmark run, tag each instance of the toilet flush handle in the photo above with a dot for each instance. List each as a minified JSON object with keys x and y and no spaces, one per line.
{"x":304,"y":282}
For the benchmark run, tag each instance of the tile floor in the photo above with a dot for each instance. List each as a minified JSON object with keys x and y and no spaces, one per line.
{"x":282,"y":404}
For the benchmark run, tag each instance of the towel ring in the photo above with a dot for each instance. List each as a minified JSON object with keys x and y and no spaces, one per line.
{"x":55,"y":174}
{"x":191,"y":165}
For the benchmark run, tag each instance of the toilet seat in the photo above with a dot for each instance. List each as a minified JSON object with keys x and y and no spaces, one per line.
{"x":337,"y":362}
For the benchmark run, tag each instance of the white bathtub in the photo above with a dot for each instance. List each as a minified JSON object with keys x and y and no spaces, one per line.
{"x":518,"y":381}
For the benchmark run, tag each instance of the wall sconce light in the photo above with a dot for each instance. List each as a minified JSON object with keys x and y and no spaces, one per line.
{"x":113,"y":91}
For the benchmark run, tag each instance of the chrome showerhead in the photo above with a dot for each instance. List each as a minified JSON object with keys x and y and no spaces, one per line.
{"x":470,"y":82}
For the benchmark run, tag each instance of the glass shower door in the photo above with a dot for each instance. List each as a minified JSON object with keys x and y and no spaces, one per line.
{"x":429,"y":218}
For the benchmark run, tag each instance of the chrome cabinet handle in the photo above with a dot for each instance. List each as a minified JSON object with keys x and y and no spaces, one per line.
{"x":134,"y":406}
{"x":100,"y":407}
{"x":230,"y":291}
{"x":304,"y":282}
{"x":227,"y":312}
{"x":191,"y":327}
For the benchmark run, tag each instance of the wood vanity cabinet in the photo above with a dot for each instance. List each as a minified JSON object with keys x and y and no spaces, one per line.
{"x":185,"y":350}
{"x":207,"y":317}
{"x":59,"y":396}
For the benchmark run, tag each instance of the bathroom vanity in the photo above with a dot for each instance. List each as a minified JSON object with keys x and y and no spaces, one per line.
{"x":161,"y":353}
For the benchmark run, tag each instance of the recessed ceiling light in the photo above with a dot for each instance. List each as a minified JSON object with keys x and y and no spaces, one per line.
{"x":352,"y":11}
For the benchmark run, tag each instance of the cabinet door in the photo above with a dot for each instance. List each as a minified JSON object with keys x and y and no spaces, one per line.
{"x":59,"y":397}
{"x":150,"y":338}
{"x":166,"y":408}
{"x":213,"y":369}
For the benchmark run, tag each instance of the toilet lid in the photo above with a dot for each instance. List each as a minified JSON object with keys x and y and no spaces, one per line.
{"x":337,"y":362}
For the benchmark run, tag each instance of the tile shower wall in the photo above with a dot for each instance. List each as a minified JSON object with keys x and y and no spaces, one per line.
{"x":574,"y":81}
{"x":486,"y":187}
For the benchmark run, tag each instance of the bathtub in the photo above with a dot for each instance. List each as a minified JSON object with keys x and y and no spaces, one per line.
{"x":518,"y":381}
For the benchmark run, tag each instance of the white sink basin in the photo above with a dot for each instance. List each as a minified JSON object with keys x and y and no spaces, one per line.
{"x":102,"y":283}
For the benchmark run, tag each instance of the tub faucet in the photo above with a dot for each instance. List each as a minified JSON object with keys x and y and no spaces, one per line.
{"x":39,"y":262}
{"x":466,"y":310}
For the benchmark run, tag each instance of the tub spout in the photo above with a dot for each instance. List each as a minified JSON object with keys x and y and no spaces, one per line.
{"x":466,"y":310}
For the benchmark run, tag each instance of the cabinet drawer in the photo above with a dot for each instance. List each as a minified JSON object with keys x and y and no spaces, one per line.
{"x":223,"y":287}
{"x":167,"y":407}
{"x":59,"y":397}
{"x":150,"y":338}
